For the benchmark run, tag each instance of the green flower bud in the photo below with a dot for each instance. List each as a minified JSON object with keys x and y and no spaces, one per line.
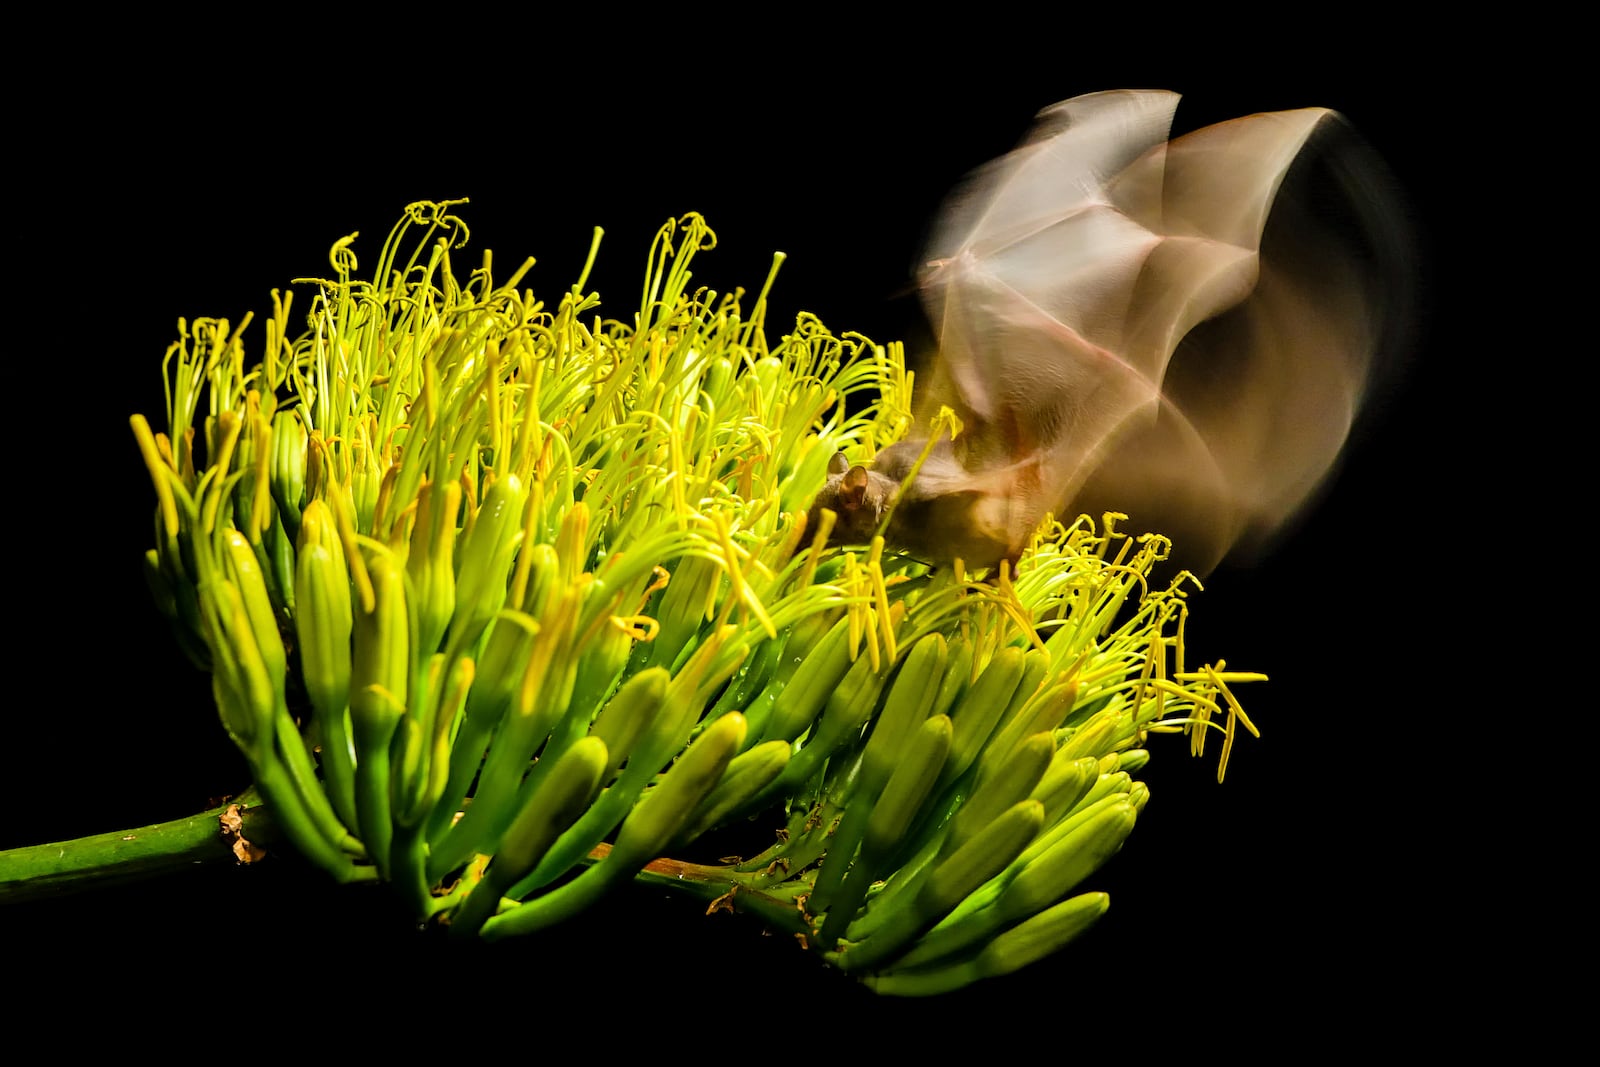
{"x":323,"y":624}
{"x":381,"y":669}
{"x":243,"y":687}
{"x":486,"y":554}
{"x":243,"y":570}
{"x":431,"y":562}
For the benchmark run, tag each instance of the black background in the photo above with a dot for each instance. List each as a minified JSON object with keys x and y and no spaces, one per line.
{"x":1304,"y":900}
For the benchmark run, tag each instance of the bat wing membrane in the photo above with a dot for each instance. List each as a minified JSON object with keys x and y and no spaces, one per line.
{"x":1107,"y":319}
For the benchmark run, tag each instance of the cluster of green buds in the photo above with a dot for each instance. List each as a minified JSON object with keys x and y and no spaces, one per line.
{"x":505,"y":603}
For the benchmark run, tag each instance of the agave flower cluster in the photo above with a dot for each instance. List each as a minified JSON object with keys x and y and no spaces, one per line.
{"x":504,"y":602}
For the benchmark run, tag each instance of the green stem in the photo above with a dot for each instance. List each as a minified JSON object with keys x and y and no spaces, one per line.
{"x":339,"y":765}
{"x":101,"y":860}
{"x":775,"y":905}
{"x":303,"y":775}
{"x":408,"y":858}
{"x":278,"y":788}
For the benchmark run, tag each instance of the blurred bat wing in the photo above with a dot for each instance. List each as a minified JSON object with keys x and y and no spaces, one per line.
{"x":1069,"y":281}
{"x":1029,"y":277}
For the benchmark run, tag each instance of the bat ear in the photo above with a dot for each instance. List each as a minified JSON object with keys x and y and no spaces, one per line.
{"x":838,"y":464}
{"x":853,"y":489}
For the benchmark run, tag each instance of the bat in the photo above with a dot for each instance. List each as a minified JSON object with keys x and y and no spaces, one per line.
{"x":1180,"y":330}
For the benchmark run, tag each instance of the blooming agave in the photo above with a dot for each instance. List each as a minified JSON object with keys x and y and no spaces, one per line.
{"x":508,"y":603}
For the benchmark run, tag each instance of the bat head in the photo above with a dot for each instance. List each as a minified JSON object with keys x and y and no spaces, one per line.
{"x":945,"y":510}
{"x":858,"y":497}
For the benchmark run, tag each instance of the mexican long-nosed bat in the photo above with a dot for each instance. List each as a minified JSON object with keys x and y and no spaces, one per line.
{"x":1179,"y":330}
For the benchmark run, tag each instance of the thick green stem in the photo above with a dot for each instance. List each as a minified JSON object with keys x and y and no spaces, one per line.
{"x":101,"y":860}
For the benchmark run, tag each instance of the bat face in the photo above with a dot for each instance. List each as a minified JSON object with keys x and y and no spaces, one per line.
{"x":1179,"y":330}
{"x":857,"y":497}
{"x":946,"y":512}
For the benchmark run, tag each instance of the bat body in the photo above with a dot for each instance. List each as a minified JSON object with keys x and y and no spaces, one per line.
{"x":1179,"y":330}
